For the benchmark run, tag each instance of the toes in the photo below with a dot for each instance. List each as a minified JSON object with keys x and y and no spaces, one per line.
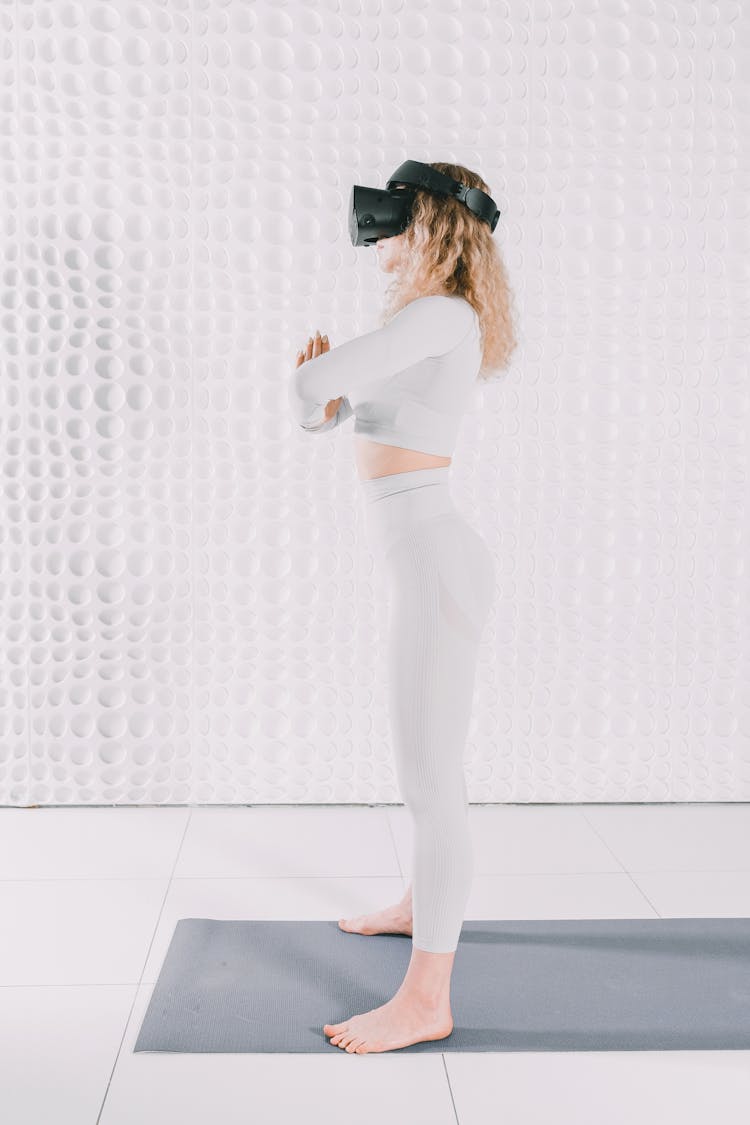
{"x":353,"y":1045}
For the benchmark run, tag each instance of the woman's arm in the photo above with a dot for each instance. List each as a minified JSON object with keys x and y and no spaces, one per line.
{"x":344,"y":411}
{"x":427,"y":326}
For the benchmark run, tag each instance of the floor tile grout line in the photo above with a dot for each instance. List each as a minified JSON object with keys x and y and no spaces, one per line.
{"x":127,"y":1022}
{"x":450,"y":1088}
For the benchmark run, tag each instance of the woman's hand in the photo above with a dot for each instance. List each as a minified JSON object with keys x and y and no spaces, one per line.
{"x":317,"y":345}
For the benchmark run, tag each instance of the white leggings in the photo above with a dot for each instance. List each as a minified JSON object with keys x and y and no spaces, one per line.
{"x":441,"y":580}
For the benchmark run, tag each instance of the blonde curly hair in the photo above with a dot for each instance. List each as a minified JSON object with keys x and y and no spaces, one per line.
{"x":452,"y":251}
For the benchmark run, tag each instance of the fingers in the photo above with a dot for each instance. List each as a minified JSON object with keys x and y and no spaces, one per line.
{"x":319,"y":343}
{"x":332,"y":407}
{"x":316,"y":345}
{"x":305,"y":353}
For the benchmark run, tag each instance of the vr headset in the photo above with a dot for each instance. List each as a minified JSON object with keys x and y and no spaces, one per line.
{"x":375,"y":213}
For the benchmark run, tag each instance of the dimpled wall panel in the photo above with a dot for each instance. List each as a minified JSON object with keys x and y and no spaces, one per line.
{"x":190,"y":612}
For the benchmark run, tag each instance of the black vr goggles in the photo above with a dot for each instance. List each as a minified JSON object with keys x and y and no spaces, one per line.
{"x":375,"y":213}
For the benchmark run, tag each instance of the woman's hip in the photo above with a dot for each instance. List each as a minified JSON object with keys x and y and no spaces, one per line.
{"x":431,"y":553}
{"x":397,"y":504}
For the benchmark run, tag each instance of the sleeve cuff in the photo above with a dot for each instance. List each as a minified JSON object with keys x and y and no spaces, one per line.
{"x":344,"y":411}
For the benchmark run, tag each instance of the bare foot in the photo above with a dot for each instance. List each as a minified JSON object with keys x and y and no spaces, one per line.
{"x":392,"y":920}
{"x":399,"y":1023}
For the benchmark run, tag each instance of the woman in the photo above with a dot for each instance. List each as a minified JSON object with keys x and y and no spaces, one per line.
{"x":447,"y":319}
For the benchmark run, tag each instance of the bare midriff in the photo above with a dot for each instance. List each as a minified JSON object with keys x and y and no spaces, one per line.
{"x":377,"y":460}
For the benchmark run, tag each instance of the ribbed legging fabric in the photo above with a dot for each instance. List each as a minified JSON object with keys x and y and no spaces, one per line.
{"x":441,"y":582}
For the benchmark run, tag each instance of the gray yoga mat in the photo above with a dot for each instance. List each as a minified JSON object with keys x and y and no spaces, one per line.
{"x":620,"y":984}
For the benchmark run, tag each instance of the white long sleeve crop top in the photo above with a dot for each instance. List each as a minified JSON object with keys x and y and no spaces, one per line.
{"x":408,"y":383}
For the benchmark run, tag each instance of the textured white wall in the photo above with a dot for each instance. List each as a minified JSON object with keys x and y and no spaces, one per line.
{"x":189,"y":608}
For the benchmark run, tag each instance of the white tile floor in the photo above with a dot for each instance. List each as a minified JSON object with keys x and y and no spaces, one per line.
{"x":89,"y":899}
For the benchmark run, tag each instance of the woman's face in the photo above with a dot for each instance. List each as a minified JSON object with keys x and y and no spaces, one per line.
{"x":390,"y":253}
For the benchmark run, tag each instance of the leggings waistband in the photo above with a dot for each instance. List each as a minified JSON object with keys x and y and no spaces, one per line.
{"x":380,"y":487}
